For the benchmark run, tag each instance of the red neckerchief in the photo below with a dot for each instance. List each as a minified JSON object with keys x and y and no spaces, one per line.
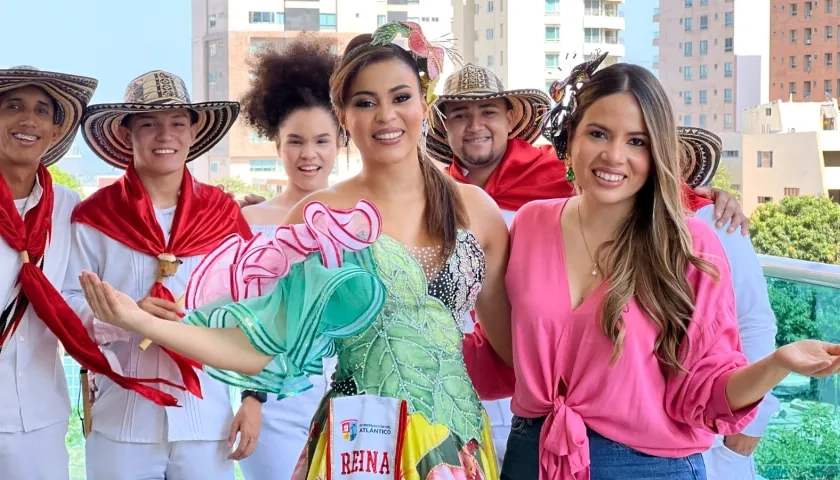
{"x":30,"y":236}
{"x":691,"y":200}
{"x":526,"y":173}
{"x":204,"y":216}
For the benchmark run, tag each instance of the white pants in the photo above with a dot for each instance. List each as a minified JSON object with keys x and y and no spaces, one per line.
{"x":724,"y":464}
{"x":500,"y":419}
{"x":108,"y":459}
{"x":284,"y":432}
{"x":37,"y":455}
{"x":500,"y":438}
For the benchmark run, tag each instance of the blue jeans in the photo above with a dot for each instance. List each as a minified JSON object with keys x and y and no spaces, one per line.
{"x":609,"y":460}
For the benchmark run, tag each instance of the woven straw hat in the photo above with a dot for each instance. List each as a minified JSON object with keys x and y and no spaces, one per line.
{"x":152,"y":92}
{"x":474,"y":83}
{"x":71,"y":94}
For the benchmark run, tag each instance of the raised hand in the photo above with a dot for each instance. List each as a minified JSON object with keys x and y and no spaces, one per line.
{"x":110,"y":306}
{"x":812,"y":358}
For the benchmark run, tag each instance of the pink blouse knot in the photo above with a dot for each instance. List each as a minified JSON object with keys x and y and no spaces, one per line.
{"x":563,"y":440}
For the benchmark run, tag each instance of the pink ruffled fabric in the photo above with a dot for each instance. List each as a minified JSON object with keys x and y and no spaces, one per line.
{"x":240,"y":269}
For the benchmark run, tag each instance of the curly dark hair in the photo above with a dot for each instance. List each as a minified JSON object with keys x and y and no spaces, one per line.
{"x":294,"y":77}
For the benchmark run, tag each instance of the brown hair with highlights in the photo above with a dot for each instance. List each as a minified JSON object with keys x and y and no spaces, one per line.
{"x":652,"y":250}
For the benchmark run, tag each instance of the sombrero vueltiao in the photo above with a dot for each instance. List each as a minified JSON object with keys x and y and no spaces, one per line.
{"x":70,"y":94}
{"x":473,"y":83}
{"x":152,"y":92}
{"x":700,"y":151}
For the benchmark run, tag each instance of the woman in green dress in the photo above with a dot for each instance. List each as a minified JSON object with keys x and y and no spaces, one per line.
{"x":382,"y":269}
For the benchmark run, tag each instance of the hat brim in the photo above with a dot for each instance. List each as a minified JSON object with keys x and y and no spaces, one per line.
{"x":528,"y":107}
{"x":700,"y":154}
{"x":100,"y":127}
{"x":71,"y":92}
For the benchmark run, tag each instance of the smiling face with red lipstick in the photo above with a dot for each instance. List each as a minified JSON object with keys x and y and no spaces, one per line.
{"x":385,"y":112}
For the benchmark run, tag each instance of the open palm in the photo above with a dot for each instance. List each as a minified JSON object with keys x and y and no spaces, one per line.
{"x":108,"y":305}
{"x":811,"y":358}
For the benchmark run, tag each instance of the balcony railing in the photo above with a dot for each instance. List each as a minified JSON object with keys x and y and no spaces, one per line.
{"x":607,"y":40}
{"x":602,"y":12}
{"x":803,"y":439}
{"x":805,"y":297}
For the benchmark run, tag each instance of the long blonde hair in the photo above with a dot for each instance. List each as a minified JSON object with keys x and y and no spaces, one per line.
{"x":651,"y":253}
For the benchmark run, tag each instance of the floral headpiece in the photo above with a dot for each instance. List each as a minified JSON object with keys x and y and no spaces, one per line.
{"x":429,"y":56}
{"x":555,"y":123}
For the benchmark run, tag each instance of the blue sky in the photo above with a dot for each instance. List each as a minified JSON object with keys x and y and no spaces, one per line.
{"x":638,"y":33}
{"x":113,"y":41}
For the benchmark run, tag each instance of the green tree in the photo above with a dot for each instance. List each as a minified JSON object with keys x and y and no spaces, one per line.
{"x":723,"y":181}
{"x":239,"y":187}
{"x":60,"y":177}
{"x":803,"y":228}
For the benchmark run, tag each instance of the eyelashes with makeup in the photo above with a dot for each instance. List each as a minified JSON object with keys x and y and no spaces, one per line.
{"x":636,"y":142}
{"x":369,"y":103}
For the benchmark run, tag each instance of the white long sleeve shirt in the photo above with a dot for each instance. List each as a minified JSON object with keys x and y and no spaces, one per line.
{"x":33,"y":386}
{"x":756,"y":320}
{"x":123,"y":415}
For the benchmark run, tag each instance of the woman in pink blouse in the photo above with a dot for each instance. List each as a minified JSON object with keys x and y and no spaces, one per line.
{"x":626,"y":347}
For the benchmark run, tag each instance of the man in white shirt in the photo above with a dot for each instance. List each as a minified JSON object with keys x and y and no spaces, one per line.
{"x":144,"y":235}
{"x":731,"y":457}
{"x":39,"y":116}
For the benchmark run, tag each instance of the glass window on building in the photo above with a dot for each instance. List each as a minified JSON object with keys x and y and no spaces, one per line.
{"x":327,"y":22}
{"x":266,"y":165}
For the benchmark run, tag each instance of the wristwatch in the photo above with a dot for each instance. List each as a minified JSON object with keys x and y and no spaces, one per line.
{"x":261,"y":397}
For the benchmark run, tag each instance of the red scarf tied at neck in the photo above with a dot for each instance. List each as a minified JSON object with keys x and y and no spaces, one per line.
{"x":204,"y":216}
{"x":526,"y":173}
{"x":30,"y":236}
{"x":692,"y":201}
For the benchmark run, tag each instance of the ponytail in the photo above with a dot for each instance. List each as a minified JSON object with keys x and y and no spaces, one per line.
{"x":445,"y":211}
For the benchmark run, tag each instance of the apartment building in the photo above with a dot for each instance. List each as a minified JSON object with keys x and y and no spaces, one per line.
{"x":531,"y":44}
{"x":227,"y":33}
{"x":785,"y":149}
{"x":805,"y":50}
{"x":713,"y":59}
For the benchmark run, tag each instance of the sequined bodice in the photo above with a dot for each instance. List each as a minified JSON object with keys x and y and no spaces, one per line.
{"x":413,"y":349}
{"x":457,"y":281}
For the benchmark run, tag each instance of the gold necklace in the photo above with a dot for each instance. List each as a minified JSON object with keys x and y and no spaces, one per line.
{"x":595,"y":269}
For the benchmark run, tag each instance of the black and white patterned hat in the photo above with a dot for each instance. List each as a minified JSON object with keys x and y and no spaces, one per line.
{"x":152,"y":92}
